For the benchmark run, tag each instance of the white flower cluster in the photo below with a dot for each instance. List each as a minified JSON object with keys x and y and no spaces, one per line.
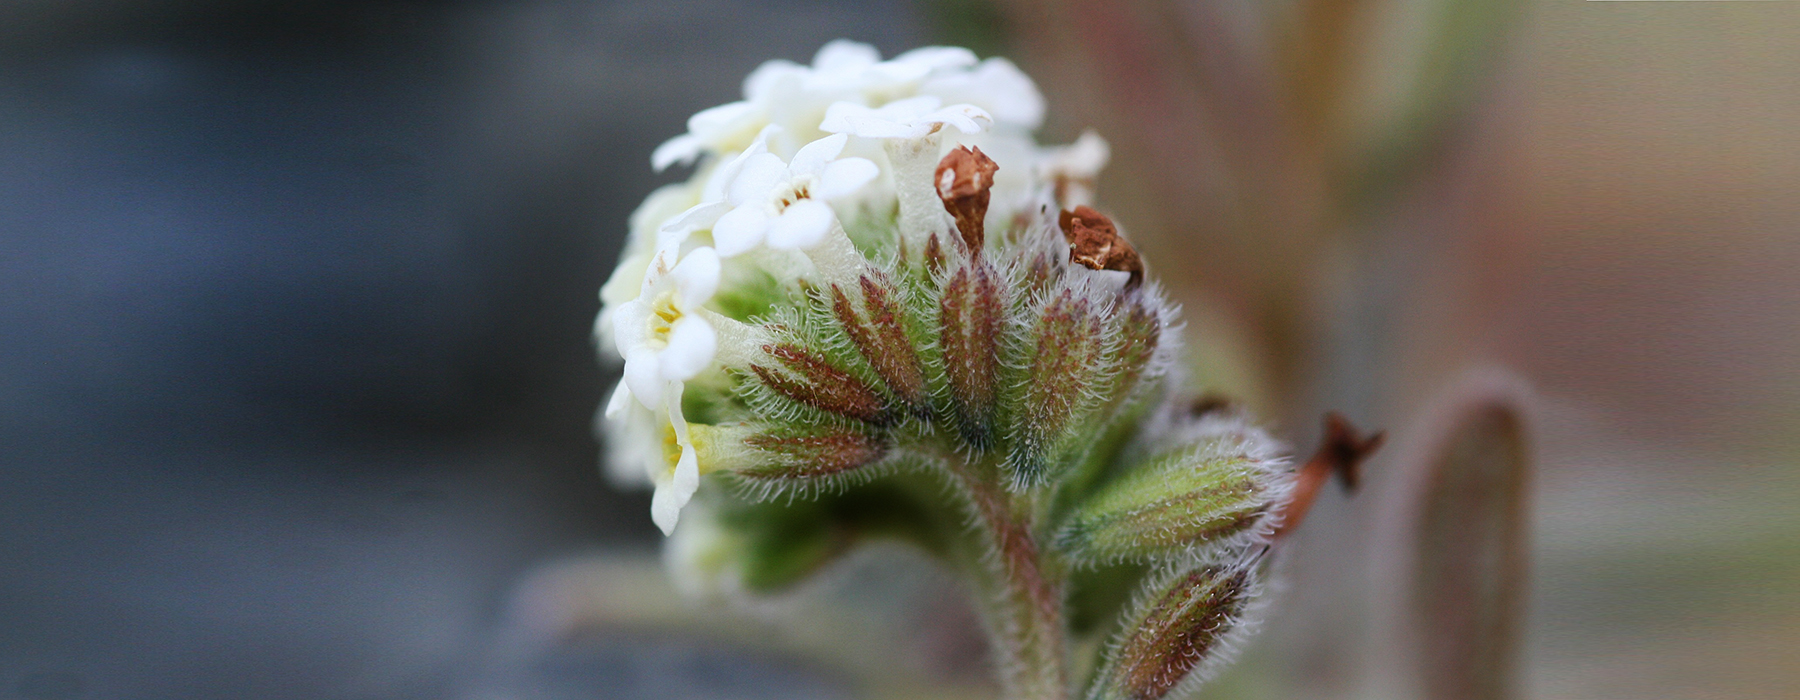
{"x":776,"y":173}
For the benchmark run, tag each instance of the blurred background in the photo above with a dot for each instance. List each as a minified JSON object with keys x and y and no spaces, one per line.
{"x":296,"y":380}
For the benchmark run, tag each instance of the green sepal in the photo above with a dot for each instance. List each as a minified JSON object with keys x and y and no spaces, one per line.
{"x":1182,"y":628}
{"x":1192,"y":499}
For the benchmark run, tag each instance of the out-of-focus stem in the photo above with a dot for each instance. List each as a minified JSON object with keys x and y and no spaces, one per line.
{"x":1021,"y":595}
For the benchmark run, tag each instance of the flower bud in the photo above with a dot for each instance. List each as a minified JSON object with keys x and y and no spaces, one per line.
{"x":1139,"y":335}
{"x":877,"y":332}
{"x":1065,"y":362}
{"x":807,"y":377}
{"x":970,"y":316}
{"x":799,"y":456}
{"x":1180,"y":631}
{"x":1195,"y":498}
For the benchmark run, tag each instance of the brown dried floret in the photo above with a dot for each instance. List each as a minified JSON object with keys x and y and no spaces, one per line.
{"x":964,"y":180}
{"x":1095,"y":243}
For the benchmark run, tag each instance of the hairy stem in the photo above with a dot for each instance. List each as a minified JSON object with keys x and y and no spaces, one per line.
{"x":1021,"y":594}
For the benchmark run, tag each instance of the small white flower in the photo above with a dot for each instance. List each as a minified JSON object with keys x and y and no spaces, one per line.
{"x":795,"y":97}
{"x":714,"y":128}
{"x":780,"y":93}
{"x":997,"y":86}
{"x":659,"y":439}
{"x":660,"y":334}
{"x":641,"y":245}
{"x":1072,"y":170}
{"x":841,"y":64}
{"x":675,"y":484}
{"x":784,"y":204}
{"x":1084,"y":159}
{"x":911,"y":118}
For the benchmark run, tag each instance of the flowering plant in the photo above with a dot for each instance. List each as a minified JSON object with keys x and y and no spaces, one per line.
{"x":880,"y":310}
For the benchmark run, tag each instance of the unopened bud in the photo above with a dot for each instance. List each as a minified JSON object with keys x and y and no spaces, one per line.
{"x":964,"y":180}
{"x":1178,"y":633}
{"x":1063,"y":367}
{"x":970,"y":316}
{"x":877,"y":333}
{"x":1139,"y":332}
{"x":809,"y":378}
{"x":796,"y":456}
{"x":1192,"y":499}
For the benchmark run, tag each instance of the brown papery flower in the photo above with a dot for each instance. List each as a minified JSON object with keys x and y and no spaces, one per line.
{"x":964,"y":178}
{"x":1095,"y":243}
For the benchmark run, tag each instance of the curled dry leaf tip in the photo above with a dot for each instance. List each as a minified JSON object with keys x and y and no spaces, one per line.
{"x":1342,"y":450}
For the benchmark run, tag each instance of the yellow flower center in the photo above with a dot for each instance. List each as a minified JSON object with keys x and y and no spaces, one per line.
{"x":663,"y":315}
{"x":704,"y":438}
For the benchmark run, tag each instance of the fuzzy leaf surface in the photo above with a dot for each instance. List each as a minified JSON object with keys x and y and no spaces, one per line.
{"x":1196,"y":497}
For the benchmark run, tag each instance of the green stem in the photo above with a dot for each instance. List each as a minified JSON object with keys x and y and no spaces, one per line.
{"x":1022,"y":596}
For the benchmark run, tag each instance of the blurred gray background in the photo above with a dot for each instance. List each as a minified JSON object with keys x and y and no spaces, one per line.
{"x":296,"y":298}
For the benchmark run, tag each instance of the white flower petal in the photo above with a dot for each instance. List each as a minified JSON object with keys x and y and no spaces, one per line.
{"x":675,"y":487}
{"x":802,"y":226}
{"x":719,"y":182}
{"x":662,"y":206}
{"x":769,"y":78}
{"x":967,"y":118}
{"x":760,"y":174}
{"x":626,"y":279}
{"x":811,"y":158}
{"x":660,"y":261}
{"x":837,"y":116}
{"x":937,"y":57}
{"x":910,"y":118}
{"x":630,"y":325}
{"x":723,"y":117}
{"x":621,"y":400}
{"x":677,"y":420}
{"x":681,"y":149}
{"x":740,"y":230}
{"x":697,"y":276}
{"x":844,"y":176}
{"x":665,"y":506}
{"x":874,"y":127}
{"x":1083,"y":159}
{"x":698,"y":217}
{"x":675,"y":492}
{"x":844,"y":55}
{"x":910,"y":107}
{"x":643,"y":375}
{"x":1012,"y":96}
{"x":629,"y":437}
{"x":997,"y":86}
{"x":692,"y":345}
